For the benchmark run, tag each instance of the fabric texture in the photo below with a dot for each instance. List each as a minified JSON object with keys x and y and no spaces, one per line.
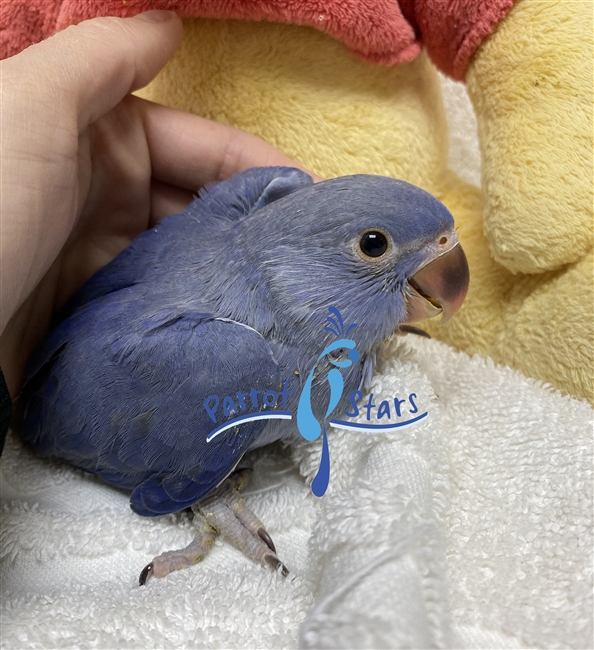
{"x":380,"y":31}
{"x":469,"y":529}
{"x":5,"y":410}
{"x":534,"y":103}
{"x":453,"y":31}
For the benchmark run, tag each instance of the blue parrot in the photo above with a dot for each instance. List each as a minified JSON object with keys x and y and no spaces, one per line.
{"x":228,"y":300}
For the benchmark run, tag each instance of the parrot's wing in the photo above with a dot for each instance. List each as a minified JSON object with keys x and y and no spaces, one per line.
{"x":250,"y":190}
{"x":217,"y":204}
{"x":129,"y":404}
{"x":231,"y":361}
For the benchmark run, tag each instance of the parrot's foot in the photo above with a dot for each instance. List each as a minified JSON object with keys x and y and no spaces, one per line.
{"x":184,"y":557}
{"x":222,"y":511}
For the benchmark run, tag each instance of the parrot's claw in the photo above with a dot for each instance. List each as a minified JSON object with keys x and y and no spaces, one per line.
{"x":225,"y":512}
{"x":145,"y":574}
{"x":170,"y":561}
{"x":275,"y":564}
{"x":265,"y":537}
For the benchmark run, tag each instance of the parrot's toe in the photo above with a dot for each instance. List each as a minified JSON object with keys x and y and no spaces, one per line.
{"x":226,"y":512}
{"x":195,"y":552}
{"x":222,"y":511}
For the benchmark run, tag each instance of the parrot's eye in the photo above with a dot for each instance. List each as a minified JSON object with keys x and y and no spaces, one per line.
{"x":373,"y":243}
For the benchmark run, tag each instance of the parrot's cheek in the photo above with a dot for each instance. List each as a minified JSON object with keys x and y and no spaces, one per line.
{"x":439,"y":287}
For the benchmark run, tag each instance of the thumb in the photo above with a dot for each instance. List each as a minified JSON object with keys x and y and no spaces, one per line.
{"x":98,"y":62}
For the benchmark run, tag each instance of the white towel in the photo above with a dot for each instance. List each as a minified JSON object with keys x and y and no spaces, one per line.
{"x":470,"y":529}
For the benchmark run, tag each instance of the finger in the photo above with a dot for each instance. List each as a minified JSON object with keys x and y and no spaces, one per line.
{"x":167,"y":199}
{"x":98,"y":62}
{"x":190,"y":151}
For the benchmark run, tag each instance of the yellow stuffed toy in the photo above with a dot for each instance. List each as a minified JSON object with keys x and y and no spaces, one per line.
{"x":528,"y":235}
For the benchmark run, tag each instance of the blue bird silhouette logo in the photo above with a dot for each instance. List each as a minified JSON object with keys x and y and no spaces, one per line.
{"x":307,"y":423}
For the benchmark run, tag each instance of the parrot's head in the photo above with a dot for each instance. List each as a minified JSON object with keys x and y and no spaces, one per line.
{"x":381,"y":251}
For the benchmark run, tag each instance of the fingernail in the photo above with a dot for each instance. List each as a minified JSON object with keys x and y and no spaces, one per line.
{"x":157,"y":15}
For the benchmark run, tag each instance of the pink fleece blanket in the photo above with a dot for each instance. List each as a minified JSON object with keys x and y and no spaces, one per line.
{"x":385,"y":32}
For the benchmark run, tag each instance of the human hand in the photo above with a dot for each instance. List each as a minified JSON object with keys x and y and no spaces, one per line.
{"x":86,"y":166}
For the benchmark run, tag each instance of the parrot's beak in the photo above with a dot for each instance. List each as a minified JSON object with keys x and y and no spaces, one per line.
{"x":440,"y":286}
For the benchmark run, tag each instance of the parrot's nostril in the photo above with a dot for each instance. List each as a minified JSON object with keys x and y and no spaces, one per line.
{"x":443,"y":240}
